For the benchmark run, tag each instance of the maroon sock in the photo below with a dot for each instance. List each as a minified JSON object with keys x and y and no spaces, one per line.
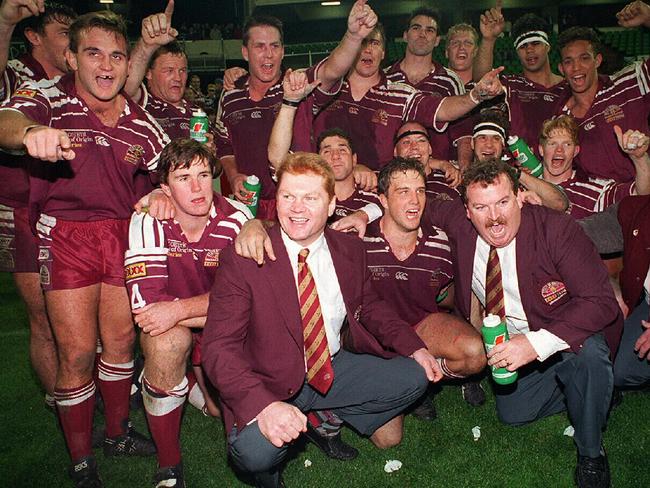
{"x":76,"y":407}
{"x":115,"y":387}
{"x":164,"y":411}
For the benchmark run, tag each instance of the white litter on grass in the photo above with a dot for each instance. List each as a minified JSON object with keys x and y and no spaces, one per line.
{"x":392,"y":465}
{"x":569,"y":431}
{"x":307,"y":463}
{"x":476,"y":432}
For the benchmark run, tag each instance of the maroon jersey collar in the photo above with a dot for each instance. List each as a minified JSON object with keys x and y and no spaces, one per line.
{"x":35,"y":67}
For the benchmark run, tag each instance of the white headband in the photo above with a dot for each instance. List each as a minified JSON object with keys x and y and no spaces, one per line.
{"x":531,"y":36}
{"x":489,"y":129}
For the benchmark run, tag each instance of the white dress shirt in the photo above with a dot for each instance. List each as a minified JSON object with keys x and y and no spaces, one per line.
{"x":544,"y":342}
{"x":327,"y":285}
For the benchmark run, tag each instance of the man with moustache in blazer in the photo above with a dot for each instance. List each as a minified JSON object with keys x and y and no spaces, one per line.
{"x":265,"y":324}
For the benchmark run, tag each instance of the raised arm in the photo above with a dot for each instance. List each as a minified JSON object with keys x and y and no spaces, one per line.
{"x":156,"y":31}
{"x":551,"y":195}
{"x":361,"y":21}
{"x":492,"y":25}
{"x":635,"y":145}
{"x":634,"y":14}
{"x":17,"y":132}
{"x":488,"y":87}
{"x":12,"y":12}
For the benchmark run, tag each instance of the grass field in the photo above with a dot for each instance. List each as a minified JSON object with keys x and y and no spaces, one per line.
{"x":437,"y":454}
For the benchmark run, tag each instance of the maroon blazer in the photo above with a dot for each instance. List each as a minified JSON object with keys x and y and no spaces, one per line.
{"x":563,"y":284}
{"x":634,"y":216}
{"x":252,"y":345}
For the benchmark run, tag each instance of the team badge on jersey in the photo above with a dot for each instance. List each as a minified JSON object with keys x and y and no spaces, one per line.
{"x":211,"y":258}
{"x":135,"y":270}
{"x":380,"y":117}
{"x":553,"y":291}
{"x":134,"y":154}
{"x":23,"y":92}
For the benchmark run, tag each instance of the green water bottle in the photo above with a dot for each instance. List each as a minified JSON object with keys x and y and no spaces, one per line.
{"x":524,"y":154}
{"x":253,"y":185}
{"x":199,"y":123}
{"x":495,"y":332}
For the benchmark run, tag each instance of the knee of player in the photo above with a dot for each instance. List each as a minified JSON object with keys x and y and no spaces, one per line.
{"x":474,"y":353}
{"x":386,"y":440}
{"x":76,"y":361}
{"x":594,"y":355}
{"x":255,"y":460}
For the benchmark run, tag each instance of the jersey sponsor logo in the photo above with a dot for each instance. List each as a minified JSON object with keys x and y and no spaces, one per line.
{"x":44,"y":275}
{"x":380,"y":117}
{"x":553,"y":291}
{"x":176,"y":249}
{"x":378,"y":272}
{"x":353,"y":110}
{"x":613,"y":113}
{"x":235,"y":117}
{"x":401,"y":275}
{"x":134,"y":154}
{"x":79,"y":138}
{"x":185,"y":125}
{"x":256,"y":114}
{"x":211,"y":258}
{"x":43,"y":254}
{"x":548,"y":98}
{"x":24,"y":92}
{"x":101,"y":141}
{"x":589,"y":126}
{"x":135,"y":270}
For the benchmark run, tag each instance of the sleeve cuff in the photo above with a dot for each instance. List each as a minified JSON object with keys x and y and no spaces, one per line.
{"x":545,"y":343}
{"x":373,"y":211}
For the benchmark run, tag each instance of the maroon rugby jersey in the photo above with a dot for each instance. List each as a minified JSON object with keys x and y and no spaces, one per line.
{"x":14,"y":177}
{"x":529,"y":104}
{"x":161,"y":265}
{"x":437,"y":187}
{"x":175,"y":121}
{"x":354,"y":202}
{"x":444,"y":82}
{"x":99,"y":182}
{"x":588,"y":195}
{"x":373,"y":121}
{"x":243,"y":127}
{"x":410,"y":286}
{"x":622,"y":99}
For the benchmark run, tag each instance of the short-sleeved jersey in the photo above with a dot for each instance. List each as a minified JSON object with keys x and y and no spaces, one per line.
{"x":410,"y":286}
{"x":175,"y":121}
{"x":622,"y":99}
{"x":243,"y":127}
{"x":437,"y":187}
{"x":98,"y":183}
{"x":588,"y":195}
{"x":444,"y":82}
{"x":15,"y":169}
{"x":529,"y":104}
{"x":373,"y":121}
{"x":354,"y":202}
{"x":161,"y":265}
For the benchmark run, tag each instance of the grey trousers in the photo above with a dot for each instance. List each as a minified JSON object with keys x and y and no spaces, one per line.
{"x":366,"y":393}
{"x":579,"y":383}
{"x":629,"y":370}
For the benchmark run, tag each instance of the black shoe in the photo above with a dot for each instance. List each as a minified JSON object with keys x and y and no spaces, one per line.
{"x":592,"y":472}
{"x":84,"y":473}
{"x":332,"y":446}
{"x":130,"y":444}
{"x":426,"y":410}
{"x":473,"y":393}
{"x":171,"y":476}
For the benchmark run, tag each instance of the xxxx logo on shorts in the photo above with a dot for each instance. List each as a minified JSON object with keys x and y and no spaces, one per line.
{"x":553,"y":291}
{"x":135,"y":270}
{"x":23,"y":92}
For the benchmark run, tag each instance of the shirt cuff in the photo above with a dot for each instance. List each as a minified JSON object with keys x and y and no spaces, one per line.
{"x":373,"y":211}
{"x":545,"y":343}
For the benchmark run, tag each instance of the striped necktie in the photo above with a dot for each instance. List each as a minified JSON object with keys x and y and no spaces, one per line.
{"x":494,"y":286}
{"x":320,"y":373}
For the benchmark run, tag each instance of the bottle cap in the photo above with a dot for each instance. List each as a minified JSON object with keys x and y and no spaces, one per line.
{"x":491,"y":321}
{"x":197,"y":112}
{"x":252,"y":180}
{"x":512,"y":140}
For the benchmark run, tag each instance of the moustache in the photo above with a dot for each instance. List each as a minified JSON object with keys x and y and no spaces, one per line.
{"x":497,"y":221}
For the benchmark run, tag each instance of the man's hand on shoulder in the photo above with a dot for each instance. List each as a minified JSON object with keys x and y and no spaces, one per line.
{"x":429,"y":364}
{"x":356,"y":222}
{"x":157,"y":318}
{"x":281,"y":423}
{"x":157,"y":204}
{"x":231,"y":75}
{"x":253,"y":241}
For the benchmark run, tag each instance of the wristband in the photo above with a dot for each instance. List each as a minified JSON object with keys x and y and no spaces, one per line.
{"x":471,"y":97}
{"x":290,"y":103}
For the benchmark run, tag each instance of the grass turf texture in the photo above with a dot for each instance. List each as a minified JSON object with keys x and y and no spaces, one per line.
{"x":440,"y":453}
